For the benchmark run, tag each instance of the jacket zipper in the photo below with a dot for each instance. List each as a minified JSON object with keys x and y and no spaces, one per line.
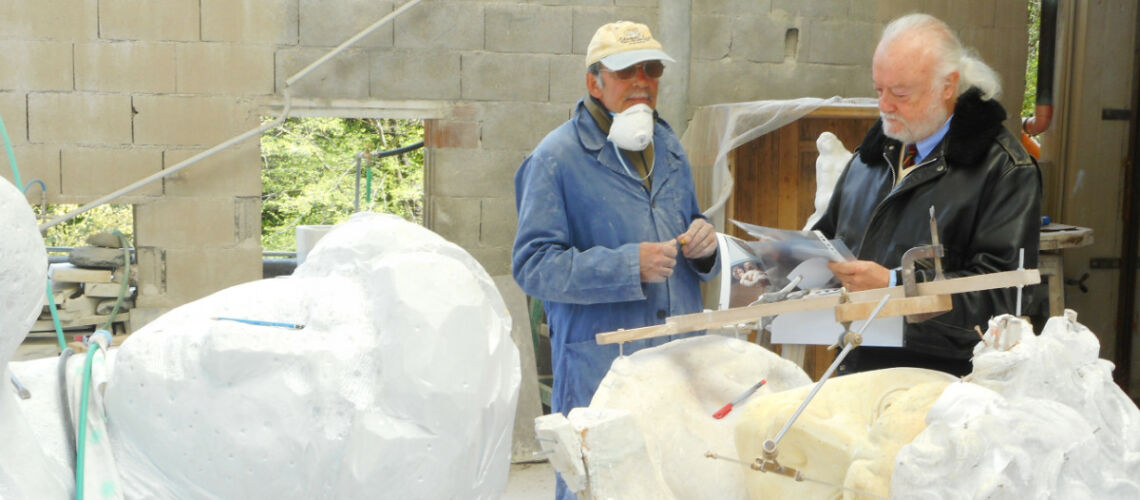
{"x":875,"y":212}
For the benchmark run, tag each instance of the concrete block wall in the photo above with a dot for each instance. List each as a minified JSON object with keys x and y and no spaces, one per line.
{"x":97,"y":93}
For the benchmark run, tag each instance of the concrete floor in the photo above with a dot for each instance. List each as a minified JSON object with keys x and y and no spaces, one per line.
{"x":530,"y":481}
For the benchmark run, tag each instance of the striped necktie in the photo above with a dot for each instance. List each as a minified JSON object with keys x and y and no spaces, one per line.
{"x":910,"y":155}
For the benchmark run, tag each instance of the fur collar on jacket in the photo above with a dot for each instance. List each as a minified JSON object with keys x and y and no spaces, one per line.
{"x":975,"y":124}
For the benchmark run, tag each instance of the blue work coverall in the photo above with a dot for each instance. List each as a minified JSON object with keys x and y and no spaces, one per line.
{"x":582,"y":215}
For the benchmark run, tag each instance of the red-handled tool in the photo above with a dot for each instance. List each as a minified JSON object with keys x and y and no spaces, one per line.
{"x":728,"y":407}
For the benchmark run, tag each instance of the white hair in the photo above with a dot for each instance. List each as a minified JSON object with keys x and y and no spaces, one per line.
{"x":952,"y":56}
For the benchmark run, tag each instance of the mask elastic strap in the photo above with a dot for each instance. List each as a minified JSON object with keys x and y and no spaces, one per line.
{"x":621,"y":159}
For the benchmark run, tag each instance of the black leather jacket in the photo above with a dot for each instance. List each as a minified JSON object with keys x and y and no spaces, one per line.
{"x":986,"y":193}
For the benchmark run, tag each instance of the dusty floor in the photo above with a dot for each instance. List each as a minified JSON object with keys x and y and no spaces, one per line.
{"x":530,"y":481}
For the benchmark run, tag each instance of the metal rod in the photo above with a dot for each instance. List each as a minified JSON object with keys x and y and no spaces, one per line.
{"x":1021,"y":266}
{"x":838,"y":359}
{"x":355,"y":38}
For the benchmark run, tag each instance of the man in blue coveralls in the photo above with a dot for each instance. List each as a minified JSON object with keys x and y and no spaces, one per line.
{"x":609,"y":232}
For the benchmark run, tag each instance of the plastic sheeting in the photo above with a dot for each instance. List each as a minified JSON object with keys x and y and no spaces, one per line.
{"x":715,"y":131}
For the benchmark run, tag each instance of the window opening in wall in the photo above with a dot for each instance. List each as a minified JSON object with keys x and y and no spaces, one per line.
{"x":309,"y":173}
{"x":60,"y":238}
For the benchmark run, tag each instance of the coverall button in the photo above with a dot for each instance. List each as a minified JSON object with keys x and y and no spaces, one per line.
{"x":660,"y":314}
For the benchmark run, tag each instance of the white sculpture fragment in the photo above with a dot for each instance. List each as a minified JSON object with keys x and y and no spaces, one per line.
{"x":25,"y":470}
{"x":1040,"y":417}
{"x":832,"y":159}
{"x":671,"y":392}
{"x":402,"y":382}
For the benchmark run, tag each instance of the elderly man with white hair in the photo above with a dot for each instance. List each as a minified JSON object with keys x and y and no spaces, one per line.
{"x":939,"y":143}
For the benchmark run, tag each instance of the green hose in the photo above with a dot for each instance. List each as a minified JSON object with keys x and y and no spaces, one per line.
{"x":81,"y":442}
{"x":11,"y":156}
{"x":368,"y":187}
{"x":55,"y":316}
{"x":126,"y":279}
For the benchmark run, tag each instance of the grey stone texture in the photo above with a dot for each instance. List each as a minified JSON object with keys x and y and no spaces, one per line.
{"x":125,"y":66}
{"x":176,"y":20}
{"x":71,"y":20}
{"x":96,"y":257}
{"x":328,"y":23}
{"x":507,"y":125}
{"x":264,"y":21}
{"x":36,"y":65}
{"x":505,"y":77}
{"x":528,"y":29}
{"x":346,"y":76}
{"x":92,"y":172}
{"x":416,"y":74}
{"x":444,"y":25}
{"x":837,"y":41}
{"x":465,"y":173}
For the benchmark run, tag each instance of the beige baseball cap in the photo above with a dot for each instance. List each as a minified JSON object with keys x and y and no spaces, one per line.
{"x":623,"y":44}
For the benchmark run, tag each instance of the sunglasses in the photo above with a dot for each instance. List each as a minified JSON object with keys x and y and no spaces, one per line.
{"x":653,"y":69}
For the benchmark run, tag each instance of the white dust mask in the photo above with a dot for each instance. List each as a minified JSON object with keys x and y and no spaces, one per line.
{"x":632,"y":129}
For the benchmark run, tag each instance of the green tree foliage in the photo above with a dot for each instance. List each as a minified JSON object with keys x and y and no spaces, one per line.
{"x":74,"y":233}
{"x":1029,"y":101}
{"x":308,"y":173}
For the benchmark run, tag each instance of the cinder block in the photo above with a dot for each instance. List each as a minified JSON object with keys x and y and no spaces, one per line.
{"x":962,"y":14}
{"x":193,"y":273}
{"x":837,"y":42}
{"x":185,"y":223}
{"x":264,"y":21}
{"x":247,"y":220}
{"x":124,"y":66}
{"x":93,"y":172}
{"x":225,"y":68}
{"x":567,"y":79}
{"x":520,"y":126}
{"x":326,"y":23}
{"x":499,"y":222}
{"x":191,"y":120}
{"x":66,"y":20}
{"x":79,"y":117}
{"x":14,"y":113}
{"x":345,"y":76}
{"x":416,"y":74}
{"x":496,"y":77}
{"x":528,"y":28}
{"x":176,"y":20}
{"x":457,"y":220}
{"x":727,"y":80}
{"x":35,"y":161}
{"x":636,"y":3}
{"x":234,"y":171}
{"x":732,"y":7}
{"x":441,"y":25}
{"x":888,"y":10}
{"x":451,"y":134}
{"x":790,"y":81}
{"x":812,"y":8}
{"x":495,"y":261}
{"x":35,"y":65}
{"x":762,"y":39}
{"x":713,"y":36}
{"x":586,"y":21}
{"x":151,"y":277}
{"x":471,"y":172}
